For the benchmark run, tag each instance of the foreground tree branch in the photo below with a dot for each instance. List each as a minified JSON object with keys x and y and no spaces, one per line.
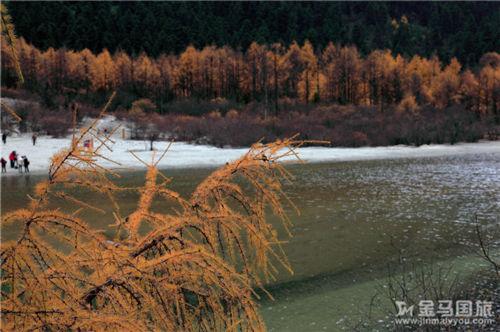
{"x":194,"y":269}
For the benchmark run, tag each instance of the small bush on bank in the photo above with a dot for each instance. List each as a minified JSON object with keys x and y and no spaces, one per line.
{"x":19,"y":94}
{"x":197,"y":107}
{"x":56,"y":124}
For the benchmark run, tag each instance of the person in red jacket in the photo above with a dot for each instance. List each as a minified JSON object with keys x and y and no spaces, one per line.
{"x":13,"y":159}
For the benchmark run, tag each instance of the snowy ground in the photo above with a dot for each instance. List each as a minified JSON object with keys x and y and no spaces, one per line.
{"x":188,"y":155}
{"x":183,"y":155}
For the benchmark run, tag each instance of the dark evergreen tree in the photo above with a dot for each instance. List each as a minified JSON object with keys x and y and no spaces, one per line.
{"x":465,"y":30}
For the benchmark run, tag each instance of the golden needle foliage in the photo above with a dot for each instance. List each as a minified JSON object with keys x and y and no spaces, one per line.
{"x":9,"y":36}
{"x":194,"y":269}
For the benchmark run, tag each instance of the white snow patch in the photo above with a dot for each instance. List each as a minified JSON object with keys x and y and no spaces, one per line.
{"x":185,"y":155}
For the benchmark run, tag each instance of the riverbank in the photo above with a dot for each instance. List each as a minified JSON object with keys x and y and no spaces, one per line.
{"x":186,"y":155}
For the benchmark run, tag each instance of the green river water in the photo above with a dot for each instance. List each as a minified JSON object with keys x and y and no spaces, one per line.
{"x":355,"y":217}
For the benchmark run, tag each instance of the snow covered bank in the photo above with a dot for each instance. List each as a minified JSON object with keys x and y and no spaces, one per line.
{"x":188,"y":155}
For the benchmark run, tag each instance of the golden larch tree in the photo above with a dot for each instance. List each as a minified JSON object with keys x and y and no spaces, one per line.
{"x":191,"y":269}
{"x":103,"y":72}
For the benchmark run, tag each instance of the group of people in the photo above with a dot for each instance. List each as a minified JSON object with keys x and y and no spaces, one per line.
{"x":21,"y":163}
{"x":16,"y":162}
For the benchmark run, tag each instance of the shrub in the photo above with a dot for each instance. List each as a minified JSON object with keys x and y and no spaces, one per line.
{"x":30,"y":114}
{"x":197,"y":107}
{"x":144,"y":105}
{"x":56,"y":124}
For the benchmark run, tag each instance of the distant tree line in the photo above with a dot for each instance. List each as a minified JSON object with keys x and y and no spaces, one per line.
{"x":266,"y":74}
{"x":465,"y":30}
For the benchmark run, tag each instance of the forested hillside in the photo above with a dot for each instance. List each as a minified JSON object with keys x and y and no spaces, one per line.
{"x":465,"y":30}
{"x":264,"y":73}
{"x":350,"y":73}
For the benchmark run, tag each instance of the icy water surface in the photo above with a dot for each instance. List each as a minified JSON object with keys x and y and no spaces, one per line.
{"x":355,"y":217}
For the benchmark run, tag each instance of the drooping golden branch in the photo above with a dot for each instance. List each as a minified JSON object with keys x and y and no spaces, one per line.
{"x":192,"y":269}
{"x":9,"y":110}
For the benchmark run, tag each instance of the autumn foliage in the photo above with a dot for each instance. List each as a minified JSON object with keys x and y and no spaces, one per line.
{"x":263,"y":73}
{"x":222,"y":96}
{"x":194,"y":268}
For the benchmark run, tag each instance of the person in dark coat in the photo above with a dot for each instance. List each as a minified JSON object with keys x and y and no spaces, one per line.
{"x":4,"y":164}
{"x":12,"y":158}
{"x":26,"y":163}
{"x":33,"y":138}
{"x":4,"y":138}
